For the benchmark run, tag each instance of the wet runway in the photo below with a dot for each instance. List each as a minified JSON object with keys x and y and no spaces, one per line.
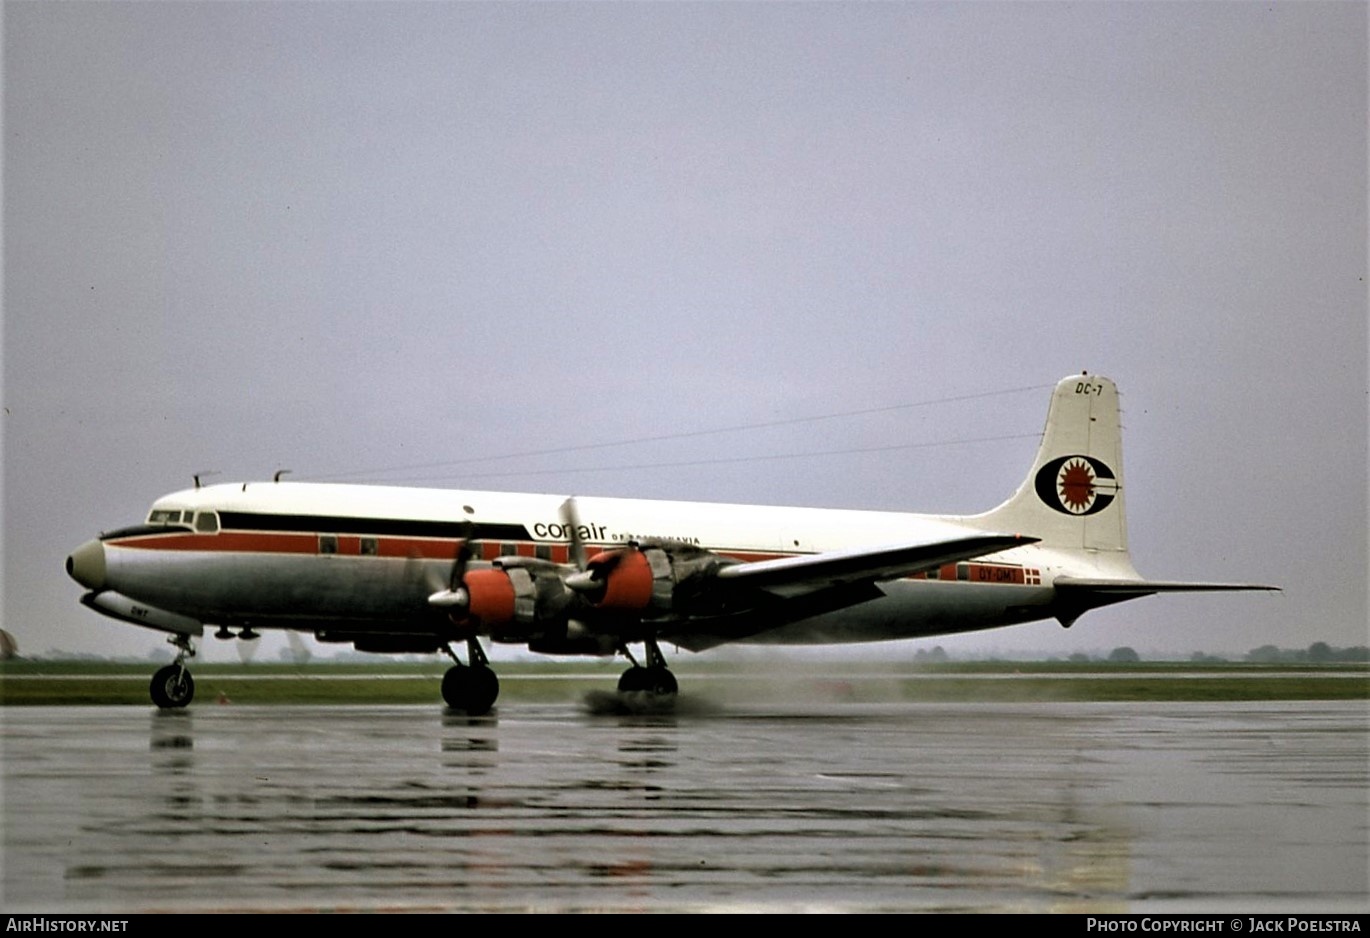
{"x":997,"y":807}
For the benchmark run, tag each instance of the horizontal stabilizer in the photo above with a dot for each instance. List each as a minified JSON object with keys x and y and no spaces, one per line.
{"x":1128,"y":588}
{"x":1076,"y":595}
{"x":792,"y":575}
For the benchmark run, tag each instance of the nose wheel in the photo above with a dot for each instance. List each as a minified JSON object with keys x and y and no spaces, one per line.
{"x":172,"y":687}
{"x":473,"y":688}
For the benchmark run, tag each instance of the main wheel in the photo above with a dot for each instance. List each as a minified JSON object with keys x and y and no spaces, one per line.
{"x":172,"y":687}
{"x":471,"y":689}
{"x":661,"y":682}
{"x":634,"y":679}
{"x":482,"y":688}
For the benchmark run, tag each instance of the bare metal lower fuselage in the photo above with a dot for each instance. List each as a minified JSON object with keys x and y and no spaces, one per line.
{"x":336,"y":595}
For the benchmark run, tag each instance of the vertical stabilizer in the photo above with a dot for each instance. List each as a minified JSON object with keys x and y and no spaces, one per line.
{"x":1073,"y":497}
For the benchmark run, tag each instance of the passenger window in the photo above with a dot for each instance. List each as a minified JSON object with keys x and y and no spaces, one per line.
{"x":328,"y":543}
{"x":368,"y":548}
{"x":544,"y":552}
{"x":206,"y":522}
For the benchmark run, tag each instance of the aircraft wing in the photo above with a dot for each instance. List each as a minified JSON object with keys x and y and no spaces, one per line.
{"x":816,"y":584}
{"x":792,"y":576}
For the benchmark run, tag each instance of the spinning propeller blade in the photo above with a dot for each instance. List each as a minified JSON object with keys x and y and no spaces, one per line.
{"x":455,"y":594}
{"x":570,"y":520}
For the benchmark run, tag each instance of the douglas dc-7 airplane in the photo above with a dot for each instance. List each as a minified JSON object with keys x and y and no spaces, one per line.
{"x":391,"y":569}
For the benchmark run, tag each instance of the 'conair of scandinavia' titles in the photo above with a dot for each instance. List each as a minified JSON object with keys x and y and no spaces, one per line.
{"x":391,"y":569}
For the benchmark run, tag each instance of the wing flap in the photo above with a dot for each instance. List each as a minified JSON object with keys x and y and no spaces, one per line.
{"x":795,"y":575}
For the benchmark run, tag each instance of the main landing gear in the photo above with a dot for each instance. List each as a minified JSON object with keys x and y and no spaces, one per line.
{"x":655,"y":679}
{"x":172,"y":687}
{"x":472,"y":688}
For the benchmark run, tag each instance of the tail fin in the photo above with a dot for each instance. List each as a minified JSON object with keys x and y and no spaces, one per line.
{"x":1073,"y":497}
{"x":1073,"y":500}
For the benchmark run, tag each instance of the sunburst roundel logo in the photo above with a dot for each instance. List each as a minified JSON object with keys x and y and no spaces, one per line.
{"x":1076,"y":485}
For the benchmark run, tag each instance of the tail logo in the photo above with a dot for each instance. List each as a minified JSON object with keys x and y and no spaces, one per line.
{"x":1076,"y":485}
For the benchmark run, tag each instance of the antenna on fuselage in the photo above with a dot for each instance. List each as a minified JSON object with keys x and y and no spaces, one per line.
{"x":279,"y":473}
{"x":197,"y":476}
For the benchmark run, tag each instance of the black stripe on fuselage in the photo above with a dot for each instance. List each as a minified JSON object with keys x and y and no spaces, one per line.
{"x":139,"y":530}
{"x":394,"y":527}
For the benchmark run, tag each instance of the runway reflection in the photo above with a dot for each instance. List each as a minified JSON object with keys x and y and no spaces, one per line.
{"x":911,"y":806}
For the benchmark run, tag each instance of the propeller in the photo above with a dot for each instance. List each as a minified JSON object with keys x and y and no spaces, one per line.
{"x":455,"y":594}
{"x":570,"y":523}
{"x":584,"y":580}
{"x":592,"y":583}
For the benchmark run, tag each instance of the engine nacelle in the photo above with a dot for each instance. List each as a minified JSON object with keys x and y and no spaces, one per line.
{"x":492,"y":596}
{"x":513,"y":599}
{"x":632,"y":580}
{"x":650,"y":579}
{"x":526,"y":599}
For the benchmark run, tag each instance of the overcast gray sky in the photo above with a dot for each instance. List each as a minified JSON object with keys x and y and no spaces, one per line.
{"x":346,"y":239}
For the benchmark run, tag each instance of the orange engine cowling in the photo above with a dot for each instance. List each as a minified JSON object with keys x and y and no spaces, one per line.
{"x":491,"y":596}
{"x":505,"y":600}
{"x":633,"y":579}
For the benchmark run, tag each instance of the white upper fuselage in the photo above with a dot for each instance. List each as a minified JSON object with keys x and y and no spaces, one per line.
{"x":607,"y":522}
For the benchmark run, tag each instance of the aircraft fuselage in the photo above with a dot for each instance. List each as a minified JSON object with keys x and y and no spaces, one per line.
{"x":341,"y":558}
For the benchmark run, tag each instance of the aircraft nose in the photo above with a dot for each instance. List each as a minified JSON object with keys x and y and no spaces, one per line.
{"x":86,"y":565}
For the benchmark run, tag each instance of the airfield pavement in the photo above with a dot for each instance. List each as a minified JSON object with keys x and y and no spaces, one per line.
{"x":771,"y":805}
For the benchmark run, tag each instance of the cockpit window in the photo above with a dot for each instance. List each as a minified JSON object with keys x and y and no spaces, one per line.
{"x":206,"y":522}
{"x":166,"y":516}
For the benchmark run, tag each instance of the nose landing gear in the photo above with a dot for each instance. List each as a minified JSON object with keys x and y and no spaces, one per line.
{"x":172,"y":687}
